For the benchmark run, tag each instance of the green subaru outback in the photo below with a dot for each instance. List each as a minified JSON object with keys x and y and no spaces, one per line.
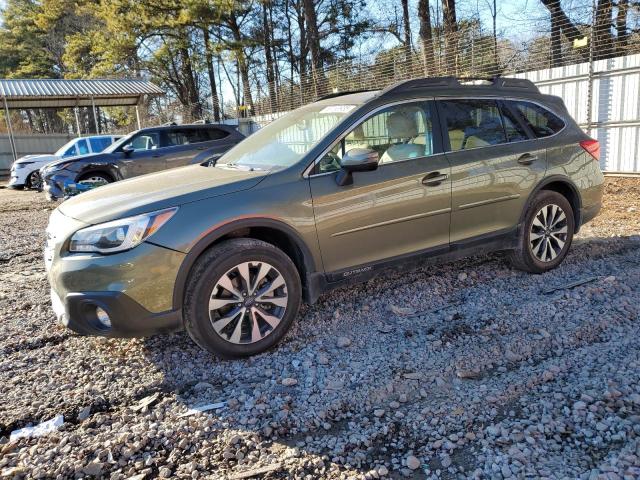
{"x":329,"y":194}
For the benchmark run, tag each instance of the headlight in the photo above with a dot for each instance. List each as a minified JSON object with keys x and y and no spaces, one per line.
{"x":119,"y":235}
{"x":23,"y":164}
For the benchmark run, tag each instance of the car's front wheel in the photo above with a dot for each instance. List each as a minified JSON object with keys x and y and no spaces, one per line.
{"x":241,"y":298}
{"x":96,"y":179}
{"x":34,"y":180}
{"x":546,"y":233}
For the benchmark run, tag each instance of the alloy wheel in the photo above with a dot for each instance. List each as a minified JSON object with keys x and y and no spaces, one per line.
{"x":248,"y":302}
{"x":548,"y":233}
{"x":35,"y":181}
{"x":96,"y":180}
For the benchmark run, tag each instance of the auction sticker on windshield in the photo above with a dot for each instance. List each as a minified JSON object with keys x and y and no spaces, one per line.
{"x":337,"y":109}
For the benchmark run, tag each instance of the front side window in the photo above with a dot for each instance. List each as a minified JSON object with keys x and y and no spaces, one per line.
{"x":542,"y":121}
{"x":473,"y":123}
{"x":145,"y":141}
{"x":400,"y":132}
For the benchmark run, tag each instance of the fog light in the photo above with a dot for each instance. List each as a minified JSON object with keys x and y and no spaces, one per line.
{"x":103,"y":317}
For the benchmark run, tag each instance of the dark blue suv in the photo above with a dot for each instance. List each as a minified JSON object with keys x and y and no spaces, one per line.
{"x":144,"y":151}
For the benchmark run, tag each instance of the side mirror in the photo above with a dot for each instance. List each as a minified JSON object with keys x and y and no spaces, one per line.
{"x":127,"y":150}
{"x":356,"y":160}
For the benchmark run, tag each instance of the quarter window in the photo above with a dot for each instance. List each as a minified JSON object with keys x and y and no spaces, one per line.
{"x":542,"y":121}
{"x":401,"y":132}
{"x":473,"y":123}
{"x":214,"y":134}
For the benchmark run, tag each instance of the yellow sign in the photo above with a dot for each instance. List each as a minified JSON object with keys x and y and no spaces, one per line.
{"x":580,"y":42}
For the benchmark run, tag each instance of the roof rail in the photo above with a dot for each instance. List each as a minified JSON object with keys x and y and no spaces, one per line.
{"x":339,"y":94}
{"x":502,"y":83}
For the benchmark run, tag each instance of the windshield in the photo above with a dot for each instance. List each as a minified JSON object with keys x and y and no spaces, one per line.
{"x":61,"y":151}
{"x":286,"y":140}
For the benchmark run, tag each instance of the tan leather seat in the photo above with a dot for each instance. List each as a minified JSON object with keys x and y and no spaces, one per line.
{"x":402,"y":126}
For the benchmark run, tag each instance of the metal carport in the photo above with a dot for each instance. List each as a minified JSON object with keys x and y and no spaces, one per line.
{"x":55,"y":93}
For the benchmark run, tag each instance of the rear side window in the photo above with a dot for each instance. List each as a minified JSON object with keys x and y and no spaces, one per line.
{"x":473,"y":123}
{"x":99,"y":144}
{"x":513,"y":128}
{"x":175,"y":138}
{"x":542,"y":121}
{"x":186,"y":136}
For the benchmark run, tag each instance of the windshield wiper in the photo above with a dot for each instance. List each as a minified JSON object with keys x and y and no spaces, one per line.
{"x":235,"y":166}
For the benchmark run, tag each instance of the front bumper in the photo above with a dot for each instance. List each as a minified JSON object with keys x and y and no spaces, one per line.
{"x":134,"y":287}
{"x":16,"y":180}
{"x":53,"y":186}
{"x":77,"y":311}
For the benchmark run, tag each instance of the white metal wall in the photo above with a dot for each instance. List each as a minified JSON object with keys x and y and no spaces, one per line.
{"x":29,"y":144}
{"x":615,"y":112}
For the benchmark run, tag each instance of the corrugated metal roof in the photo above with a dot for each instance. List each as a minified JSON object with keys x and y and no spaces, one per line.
{"x":69,"y":93}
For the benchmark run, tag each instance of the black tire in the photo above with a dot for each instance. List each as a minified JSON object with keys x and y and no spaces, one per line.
{"x":96,"y":177}
{"x":523,"y":257}
{"x":204,"y":279}
{"x":34,"y":181}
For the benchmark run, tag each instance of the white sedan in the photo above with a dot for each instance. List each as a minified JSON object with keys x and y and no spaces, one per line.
{"x":25,"y":170}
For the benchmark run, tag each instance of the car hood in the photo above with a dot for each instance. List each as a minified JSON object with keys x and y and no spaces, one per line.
{"x":88,"y":156}
{"x":156,"y":191}
{"x":37,"y":158}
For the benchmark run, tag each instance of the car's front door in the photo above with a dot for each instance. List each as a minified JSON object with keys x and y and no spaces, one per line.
{"x":494,"y":166}
{"x":148,"y":154}
{"x":399,"y":209}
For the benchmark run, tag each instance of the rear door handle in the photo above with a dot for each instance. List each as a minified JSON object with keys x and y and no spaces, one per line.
{"x":434,"y":179}
{"x":158,"y":155}
{"x":527,"y":159}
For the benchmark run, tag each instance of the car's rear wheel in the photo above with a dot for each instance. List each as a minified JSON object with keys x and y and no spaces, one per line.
{"x":34,"y":180}
{"x":241,"y":298}
{"x":546,"y":233}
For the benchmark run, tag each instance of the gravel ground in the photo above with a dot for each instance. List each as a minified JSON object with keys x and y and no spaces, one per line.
{"x":470,"y":369}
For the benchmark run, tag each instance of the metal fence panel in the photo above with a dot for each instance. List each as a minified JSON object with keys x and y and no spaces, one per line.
{"x":615,"y":106}
{"x":29,"y":144}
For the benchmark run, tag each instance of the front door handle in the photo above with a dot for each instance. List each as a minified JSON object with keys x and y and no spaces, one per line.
{"x":527,"y":159}
{"x":434,"y":179}
{"x":157,"y":155}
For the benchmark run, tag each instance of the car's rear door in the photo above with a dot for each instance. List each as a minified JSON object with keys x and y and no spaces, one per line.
{"x":183,"y":143}
{"x":399,"y":209}
{"x":495,"y":164}
{"x":218,"y":140}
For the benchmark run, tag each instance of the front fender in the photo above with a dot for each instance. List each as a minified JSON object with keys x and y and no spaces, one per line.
{"x":111,"y":169}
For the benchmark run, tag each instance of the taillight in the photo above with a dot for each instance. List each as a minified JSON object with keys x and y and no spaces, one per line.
{"x":592,"y":147}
